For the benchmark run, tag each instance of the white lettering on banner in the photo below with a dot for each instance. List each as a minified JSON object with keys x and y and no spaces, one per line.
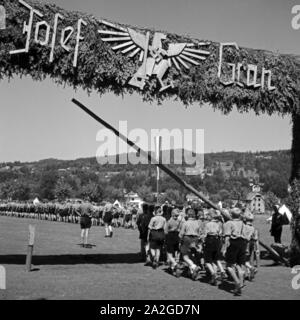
{"x":56,"y":17}
{"x":65,"y":38}
{"x":222,"y":45}
{"x":252,"y":73}
{"x":252,"y":69}
{"x":37,"y":30}
{"x":27,"y":27}
{"x":155,"y":60}
{"x":78,"y":38}
{"x":65,"y":34}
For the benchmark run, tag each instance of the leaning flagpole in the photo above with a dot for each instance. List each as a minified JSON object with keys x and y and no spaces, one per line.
{"x":151,"y":159}
{"x":180,"y":181}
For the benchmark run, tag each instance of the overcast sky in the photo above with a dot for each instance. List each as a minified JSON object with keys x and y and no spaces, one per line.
{"x":37,"y":119}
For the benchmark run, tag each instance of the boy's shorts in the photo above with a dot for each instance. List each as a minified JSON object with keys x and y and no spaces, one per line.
{"x":188,"y":243}
{"x":236,"y":252}
{"x":157,"y":239}
{"x":249,"y":250}
{"x":108,"y":218}
{"x":85,"y":222}
{"x":172,"y":242}
{"x":127,"y":217}
{"x":212,"y":249}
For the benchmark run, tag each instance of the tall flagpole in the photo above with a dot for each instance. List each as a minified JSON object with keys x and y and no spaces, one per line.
{"x":158,"y":159}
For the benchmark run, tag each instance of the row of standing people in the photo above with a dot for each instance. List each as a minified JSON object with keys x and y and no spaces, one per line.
{"x":70,"y":212}
{"x":201,"y":243}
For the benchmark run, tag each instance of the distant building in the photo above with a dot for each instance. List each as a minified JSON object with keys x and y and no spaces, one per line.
{"x":207,"y":172}
{"x":16,"y":168}
{"x":246,"y":173}
{"x":225,"y":165}
{"x":133,"y":198}
{"x":255,"y":200}
{"x":4,"y":169}
{"x":195,"y":171}
{"x":190,"y":197}
{"x":264,"y":157}
{"x":110,"y":174}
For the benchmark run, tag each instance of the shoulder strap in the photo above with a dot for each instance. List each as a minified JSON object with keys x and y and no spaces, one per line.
{"x":179,"y":225}
{"x":242,"y":229}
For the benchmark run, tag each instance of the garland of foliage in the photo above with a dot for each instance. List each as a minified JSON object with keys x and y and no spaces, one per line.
{"x":101,"y":69}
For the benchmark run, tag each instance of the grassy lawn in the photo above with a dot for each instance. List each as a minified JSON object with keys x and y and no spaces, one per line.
{"x":111,"y":268}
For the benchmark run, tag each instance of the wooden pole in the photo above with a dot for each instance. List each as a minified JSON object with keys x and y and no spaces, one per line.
{"x":30,"y":247}
{"x":152,"y":160}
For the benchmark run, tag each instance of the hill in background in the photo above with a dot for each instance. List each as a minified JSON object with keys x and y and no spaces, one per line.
{"x":225,"y":175}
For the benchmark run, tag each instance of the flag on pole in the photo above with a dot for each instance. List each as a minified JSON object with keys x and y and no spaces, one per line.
{"x":286,"y":213}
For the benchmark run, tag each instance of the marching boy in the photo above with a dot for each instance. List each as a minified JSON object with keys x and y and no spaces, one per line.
{"x":172,"y":239}
{"x":189,"y":234}
{"x":156,"y":236}
{"x":235,"y":248}
{"x":212,"y":246}
{"x":251,"y":234}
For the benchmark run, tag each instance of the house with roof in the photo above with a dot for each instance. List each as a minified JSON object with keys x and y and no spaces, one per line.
{"x":190,"y":197}
{"x":133,"y":198}
{"x":255,"y":200}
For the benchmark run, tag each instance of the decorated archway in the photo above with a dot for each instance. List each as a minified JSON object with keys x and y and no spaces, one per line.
{"x":43,"y":40}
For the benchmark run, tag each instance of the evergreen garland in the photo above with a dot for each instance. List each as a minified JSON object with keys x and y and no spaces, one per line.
{"x":100,"y":68}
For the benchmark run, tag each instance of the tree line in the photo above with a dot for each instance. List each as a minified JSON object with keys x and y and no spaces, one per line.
{"x":57,"y":179}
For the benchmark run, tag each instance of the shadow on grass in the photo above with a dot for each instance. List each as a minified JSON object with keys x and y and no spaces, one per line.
{"x":69,"y":259}
{"x":226,"y":286}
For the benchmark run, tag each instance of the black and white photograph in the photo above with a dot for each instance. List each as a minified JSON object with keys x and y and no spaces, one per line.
{"x":149,"y":151}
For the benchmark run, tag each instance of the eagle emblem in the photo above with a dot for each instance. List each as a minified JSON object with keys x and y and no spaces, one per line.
{"x":155,"y":58}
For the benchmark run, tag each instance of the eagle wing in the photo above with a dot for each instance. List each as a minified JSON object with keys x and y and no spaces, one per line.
{"x":185,"y":54}
{"x":127,"y":40}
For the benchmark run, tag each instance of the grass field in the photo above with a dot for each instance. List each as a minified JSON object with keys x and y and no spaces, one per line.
{"x":111,"y":268}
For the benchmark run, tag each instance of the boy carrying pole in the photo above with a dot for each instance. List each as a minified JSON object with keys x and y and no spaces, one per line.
{"x":235,"y":249}
{"x":172,"y":239}
{"x":252,"y":246}
{"x":189,"y":235}
{"x":212,"y":246}
{"x":156,"y":236}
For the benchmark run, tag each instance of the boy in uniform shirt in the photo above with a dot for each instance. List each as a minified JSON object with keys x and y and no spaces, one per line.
{"x":202,"y":223}
{"x":251,"y":235}
{"x":143,"y":221}
{"x":156,"y":236}
{"x":85,"y":212}
{"x":235,"y":248}
{"x":212,"y":246}
{"x":190,"y":234}
{"x":172,"y":238}
{"x":107,"y":218}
